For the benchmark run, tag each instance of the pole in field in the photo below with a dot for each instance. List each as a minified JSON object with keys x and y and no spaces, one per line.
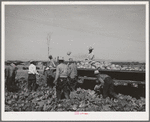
{"x":48,"y":41}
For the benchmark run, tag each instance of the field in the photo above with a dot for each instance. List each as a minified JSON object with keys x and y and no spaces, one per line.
{"x":131,"y":98}
{"x":24,"y":74}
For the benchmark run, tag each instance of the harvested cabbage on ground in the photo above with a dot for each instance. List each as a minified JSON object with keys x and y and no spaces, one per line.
{"x":44,"y":99}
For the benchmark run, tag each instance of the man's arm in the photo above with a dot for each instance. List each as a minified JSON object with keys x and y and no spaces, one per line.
{"x":76,"y":69}
{"x":57,"y":74}
{"x":53,"y":63}
{"x":7,"y":72}
{"x":101,"y":80}
{"x":35,"y":71}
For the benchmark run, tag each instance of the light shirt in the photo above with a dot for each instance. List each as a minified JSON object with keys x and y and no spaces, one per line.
{"x":52,"y":64}
{"x":61,"y":71}
{"x":91,"y":56}
{"x":32,"y":69}
{"x":72,"y":70}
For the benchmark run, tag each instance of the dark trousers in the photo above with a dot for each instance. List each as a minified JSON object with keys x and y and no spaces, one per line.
{"x":10,"y":81}
{"x":50,"y":80}
{"x":31,"y":82}
{"x":62,"y":87}
{"x":7,"y":82}
{"x":72,"y":83}
{"x":108,"y":89}
{"x":49,"y":77}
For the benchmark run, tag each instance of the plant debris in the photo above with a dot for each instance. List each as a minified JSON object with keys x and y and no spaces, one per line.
{"x":44,"y":99}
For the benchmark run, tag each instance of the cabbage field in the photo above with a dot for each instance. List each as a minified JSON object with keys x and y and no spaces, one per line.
{"x":19,"y":99}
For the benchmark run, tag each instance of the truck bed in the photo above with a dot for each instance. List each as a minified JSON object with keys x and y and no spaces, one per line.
{"x":115,"y":74}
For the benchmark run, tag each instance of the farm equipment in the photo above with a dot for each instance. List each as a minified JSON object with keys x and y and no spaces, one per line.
{"x":83,"y":99}
{"x":126,"y":78}
{"x":88,"y":74}
{"x":114,"y":74}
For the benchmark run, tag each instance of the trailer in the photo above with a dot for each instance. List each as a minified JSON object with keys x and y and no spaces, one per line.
{"x":114,"y":74}
{"x":87,"y":78}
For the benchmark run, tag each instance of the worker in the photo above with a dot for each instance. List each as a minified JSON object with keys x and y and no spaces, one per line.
{"x":105,"y":83}
{"x":72,"y":74}
{"x":52,"y":64}
{"x":90,"y":57}
{"x":49,"y":77}
{"x":91,"y":54}
{"x":10,"y":75}
{"x":61,"y":80}
{"x":32,"y":76}
{"x":49,"y":72}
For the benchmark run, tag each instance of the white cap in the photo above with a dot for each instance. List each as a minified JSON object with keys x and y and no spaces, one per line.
{"x":69,"y":52}
{"x":91,"y":48}
{"x":31,"y":61}
{"x":96,"y":72}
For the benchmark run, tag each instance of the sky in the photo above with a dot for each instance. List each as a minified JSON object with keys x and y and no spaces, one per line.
{"x":117,"y":32}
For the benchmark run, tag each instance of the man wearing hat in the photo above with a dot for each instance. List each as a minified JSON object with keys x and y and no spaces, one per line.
{"x":52,"y":64}
{"x":10,"y":74}
{"x":61,"y":80}
{"x":49,"y":64}
{"x":91,"y":54}
{"x":106,"y":83}
{"x":90,"y":57}
{"x":32,"y":76}
{"x":49,"y":72}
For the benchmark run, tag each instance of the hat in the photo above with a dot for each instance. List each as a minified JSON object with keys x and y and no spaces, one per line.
{"x":91,"y":48}
{"x":50,"y":56}
{"x":69,"y":52}
{"x":70,"y":59}
{"x":31,"y":61}
{"x":96,"y":72}
{"x":61,"y":58}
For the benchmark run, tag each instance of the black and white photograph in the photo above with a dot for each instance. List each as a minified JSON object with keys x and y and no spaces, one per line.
{"x":75,"y":60}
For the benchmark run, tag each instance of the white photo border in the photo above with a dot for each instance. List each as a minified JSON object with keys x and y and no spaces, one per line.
{"x":67,"y":116}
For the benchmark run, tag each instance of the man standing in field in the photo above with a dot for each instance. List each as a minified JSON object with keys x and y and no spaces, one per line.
{"x":72,"y":74}
{"x":51,"y":62}
{"x":91,"y":54}
{"x":49,"y":72}
{"x":10,"y":74}
{"x":32,"y":76}
{"x":106,"y":83}
{"x":90,"y":57}
{"x":49,"y":77}
{"x":61,"y":80}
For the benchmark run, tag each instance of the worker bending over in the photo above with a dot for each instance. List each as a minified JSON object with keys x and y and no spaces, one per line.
{"x":105,"y":83}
